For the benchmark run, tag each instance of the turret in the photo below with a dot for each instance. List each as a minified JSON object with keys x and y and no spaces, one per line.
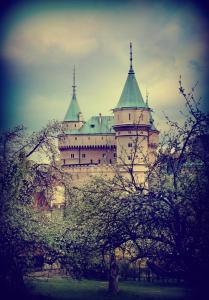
{"x":73,"y":118}
{"x":132,"y":125}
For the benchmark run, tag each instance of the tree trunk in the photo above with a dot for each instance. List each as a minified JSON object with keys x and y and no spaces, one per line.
{"x":113,"y":276}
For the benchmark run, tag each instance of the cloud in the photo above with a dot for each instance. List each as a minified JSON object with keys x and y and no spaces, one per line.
{"x":45,"y":47}
{"x":51,"y":37}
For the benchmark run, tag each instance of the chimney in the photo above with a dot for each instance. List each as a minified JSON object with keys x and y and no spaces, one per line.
{"x":100,"y":119}
{"x":80,"y":117}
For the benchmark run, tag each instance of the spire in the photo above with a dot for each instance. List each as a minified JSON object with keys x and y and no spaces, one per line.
{"x":131,"y":96}
{"x":131,"y":71}
{"x":74,"y":86}
{"x":74,"y":111}
{"x":147,"y":95}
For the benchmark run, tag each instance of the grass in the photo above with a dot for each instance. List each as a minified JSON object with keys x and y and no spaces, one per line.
{"x":62,"y":288}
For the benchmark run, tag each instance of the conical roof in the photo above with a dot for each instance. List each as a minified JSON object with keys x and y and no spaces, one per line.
{"x":73,"y":109}
{"x":131,"y":96}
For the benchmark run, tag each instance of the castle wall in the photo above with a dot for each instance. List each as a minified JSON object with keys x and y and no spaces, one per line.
{"x":153,"y":144}
{"x":88,"y":156}
{"x":132,"y":149}
{"x":131,"y":116}
{"x":86,"y":140}
{"x":70,"y":125}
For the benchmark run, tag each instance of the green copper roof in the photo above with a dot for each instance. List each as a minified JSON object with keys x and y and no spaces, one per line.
{"x":73,"y":110}
{"x":131,"y":95}
{"x":96,"y":125}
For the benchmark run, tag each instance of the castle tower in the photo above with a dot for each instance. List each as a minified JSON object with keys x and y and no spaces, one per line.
{"x":73,"y":118}
{"x":134,"y":126}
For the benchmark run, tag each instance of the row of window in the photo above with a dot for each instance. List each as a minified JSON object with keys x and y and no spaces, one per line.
{"x":99,"y":161}
{"x":129,"y":117}
{"x":91,"y":161}
{"x":63,"y":138}
{"x":83,"y":155}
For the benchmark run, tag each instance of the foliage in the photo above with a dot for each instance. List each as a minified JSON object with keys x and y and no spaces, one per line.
{"x":25,"y":232}
{"x":165,"y":221}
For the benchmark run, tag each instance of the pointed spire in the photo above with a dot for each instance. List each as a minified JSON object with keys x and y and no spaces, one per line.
{"x":131,"y":71}
{"x":131,"y":96}
{"x":74,"y":111}
{"x":147,"y":95}
{"x":74,"y":86}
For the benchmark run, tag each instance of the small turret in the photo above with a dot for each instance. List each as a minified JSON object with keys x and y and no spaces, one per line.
{"x":73,"y":118}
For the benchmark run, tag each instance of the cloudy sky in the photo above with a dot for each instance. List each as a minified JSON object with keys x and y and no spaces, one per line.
{"x":40,"y":43}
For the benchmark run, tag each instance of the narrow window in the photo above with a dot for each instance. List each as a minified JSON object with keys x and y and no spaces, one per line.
{"x":76,"y":138}
{"x":83,"y":155}
{"x":75,"y":125}
{"x":129,"y":116}
{"x":129,"y":157}
{"x":110,"y":161}
{"x":72,"y":155}
{"x":63,"y":161}
{"x":129,"y":145}
{"x":91,"y":161}
{"x":99,"y":161}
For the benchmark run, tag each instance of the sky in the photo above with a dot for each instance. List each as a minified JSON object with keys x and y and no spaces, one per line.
{"x":41,"y":42}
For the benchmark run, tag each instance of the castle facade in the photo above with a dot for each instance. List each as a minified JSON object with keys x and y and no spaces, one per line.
{"x":128,"y":139}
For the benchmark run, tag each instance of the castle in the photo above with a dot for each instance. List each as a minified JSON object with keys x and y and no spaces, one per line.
{"x":128,"y":139}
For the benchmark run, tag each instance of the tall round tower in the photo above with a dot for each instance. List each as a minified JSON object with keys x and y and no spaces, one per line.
{"x":133,"y":125}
